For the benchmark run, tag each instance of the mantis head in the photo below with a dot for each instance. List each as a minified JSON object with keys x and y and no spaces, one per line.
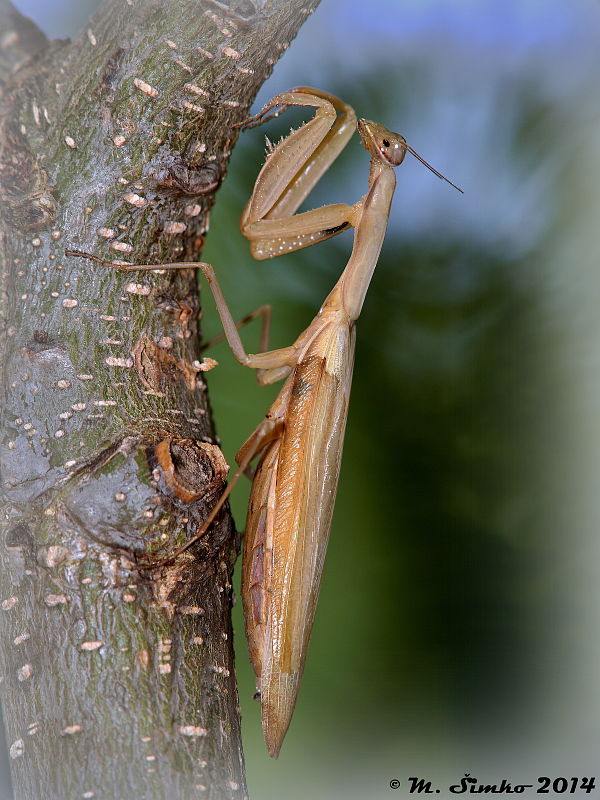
{"x":382,"y":143}
{"x":389,"y":147}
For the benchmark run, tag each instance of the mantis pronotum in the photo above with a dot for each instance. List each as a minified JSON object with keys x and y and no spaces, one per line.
{"x":300,"y":440}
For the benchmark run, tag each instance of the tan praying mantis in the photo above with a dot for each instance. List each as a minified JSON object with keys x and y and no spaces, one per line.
{"x":300,"y":440}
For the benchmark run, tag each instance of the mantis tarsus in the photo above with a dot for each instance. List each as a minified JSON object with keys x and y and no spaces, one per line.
{"x":300,"y":440}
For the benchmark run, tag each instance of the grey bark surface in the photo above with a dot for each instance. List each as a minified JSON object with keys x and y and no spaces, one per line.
{"x":117,"y":679}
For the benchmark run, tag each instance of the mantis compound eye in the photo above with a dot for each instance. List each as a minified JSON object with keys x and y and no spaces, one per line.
{"x":393,"y":148}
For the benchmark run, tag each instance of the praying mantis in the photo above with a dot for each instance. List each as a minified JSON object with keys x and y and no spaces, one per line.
{"x":299,"y":442}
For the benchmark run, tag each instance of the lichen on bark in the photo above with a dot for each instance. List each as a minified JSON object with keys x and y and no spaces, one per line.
{"x":117,"y":680}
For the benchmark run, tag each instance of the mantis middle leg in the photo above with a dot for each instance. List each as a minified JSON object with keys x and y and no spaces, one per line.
{"x":271,"y":365}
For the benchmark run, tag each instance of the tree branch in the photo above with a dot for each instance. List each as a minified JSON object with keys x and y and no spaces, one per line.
{"x":21,"y":40}
{"x":118,"y":680}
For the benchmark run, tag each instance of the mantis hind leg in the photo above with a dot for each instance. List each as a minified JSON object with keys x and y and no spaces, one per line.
{"x":266,"y":432}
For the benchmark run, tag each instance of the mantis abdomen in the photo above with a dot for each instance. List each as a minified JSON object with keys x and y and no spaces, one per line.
{"x":287,"y":529}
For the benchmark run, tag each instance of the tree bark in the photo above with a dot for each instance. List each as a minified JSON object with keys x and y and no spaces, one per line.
{"x":117,"y":680}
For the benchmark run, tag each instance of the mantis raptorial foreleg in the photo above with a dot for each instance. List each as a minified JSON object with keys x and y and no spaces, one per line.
{"x":300,"y":439}
{"x":291,"y":171}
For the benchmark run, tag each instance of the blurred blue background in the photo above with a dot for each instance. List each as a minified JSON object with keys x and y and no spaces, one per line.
{"x":457,"y":629}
